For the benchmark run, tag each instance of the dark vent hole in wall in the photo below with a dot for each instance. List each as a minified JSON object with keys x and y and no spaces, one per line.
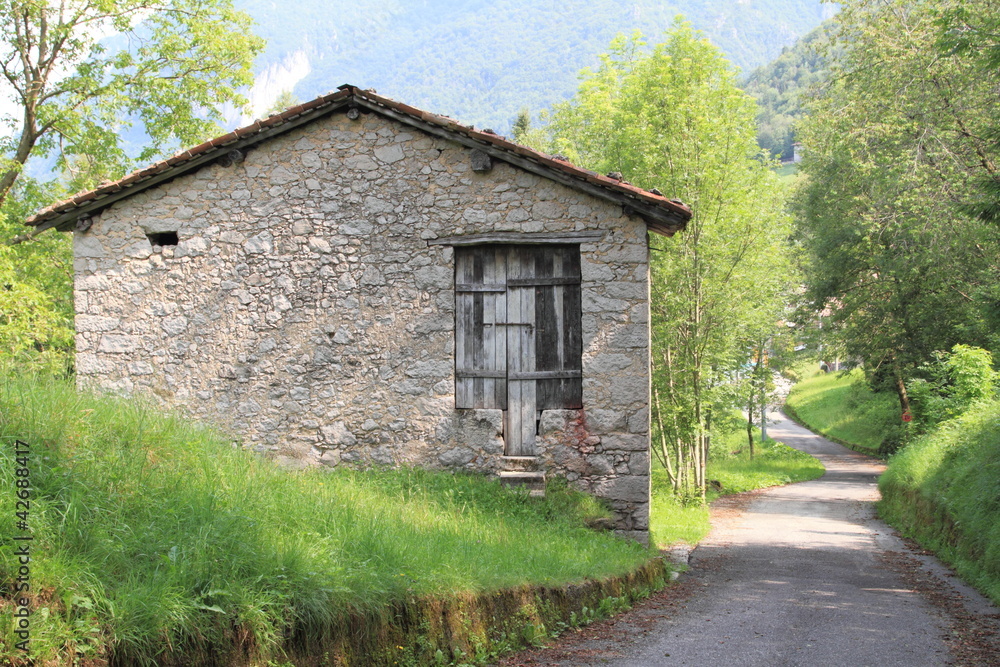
{"x":162,"y":238}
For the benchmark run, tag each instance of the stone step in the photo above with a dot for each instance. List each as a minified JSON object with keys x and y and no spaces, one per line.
{"x":533,"y":481}
{"x":520,"y":463}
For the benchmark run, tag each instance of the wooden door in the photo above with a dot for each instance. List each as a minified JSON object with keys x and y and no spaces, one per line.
{"x":518,"y":334}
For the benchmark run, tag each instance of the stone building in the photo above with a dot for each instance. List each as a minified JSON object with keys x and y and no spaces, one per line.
{"x":356,"y":282}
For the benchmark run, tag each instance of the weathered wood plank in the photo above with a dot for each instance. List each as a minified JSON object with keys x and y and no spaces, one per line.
{"x":489,"y":360}
{"x":480,"y":373}
{"x":472,"y":287}
{"x":557,"y":310}
{"x":528,"y":391}
{"x":513,"y":432}
{"x":544,"y":375}
{"x":521,"y":354}
{"x":478,"y":357}
{"x":547,"y":329}
{"x":539,"y":281}
{"x":479,"y":351}
{"x":500,"y":318}
{"x":463,"y":334}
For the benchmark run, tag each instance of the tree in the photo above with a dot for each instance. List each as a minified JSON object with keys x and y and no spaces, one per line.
{"x":672,"y":117}
{"x":78,"y":74}
{"x":971,"y":31}
{"x":179,"y":62}
{"x":522,"y":124}
{"x":894,"y":146}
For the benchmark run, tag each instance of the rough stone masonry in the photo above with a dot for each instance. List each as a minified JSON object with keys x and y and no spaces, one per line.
{"x":303,"y":309}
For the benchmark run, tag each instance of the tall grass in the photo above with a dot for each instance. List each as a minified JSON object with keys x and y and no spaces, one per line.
{"x":944,"y":490}
{"x":841,"y":407}
{"x":152,"y":534}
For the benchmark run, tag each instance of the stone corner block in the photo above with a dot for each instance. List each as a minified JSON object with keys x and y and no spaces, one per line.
{"x":628,"y":443}
{"x":631,"y":488}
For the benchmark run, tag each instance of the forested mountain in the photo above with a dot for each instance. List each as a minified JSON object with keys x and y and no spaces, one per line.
{"x":481,"y":61}
{"x":780,"y":85}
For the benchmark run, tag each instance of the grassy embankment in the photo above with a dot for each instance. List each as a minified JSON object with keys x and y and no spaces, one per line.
{"x":842,"y":408}
{"x":729,"y":464}
{"x":942,"y":489}
{"x":157,"y":541}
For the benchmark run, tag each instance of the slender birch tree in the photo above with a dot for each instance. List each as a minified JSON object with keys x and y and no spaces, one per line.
{"x":671,"y":117}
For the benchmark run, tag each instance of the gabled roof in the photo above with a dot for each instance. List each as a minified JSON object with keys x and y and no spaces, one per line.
{"x":662,"y":215}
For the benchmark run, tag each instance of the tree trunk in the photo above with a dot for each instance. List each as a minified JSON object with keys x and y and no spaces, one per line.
{"x":664,"y":449}
{"x":904,"y":398}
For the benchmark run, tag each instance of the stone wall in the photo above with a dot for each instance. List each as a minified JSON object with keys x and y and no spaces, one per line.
{"x":304,"y":310}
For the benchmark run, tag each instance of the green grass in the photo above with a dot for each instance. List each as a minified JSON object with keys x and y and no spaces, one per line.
{"x":944,"y":490}
{"x":672,"y":521}
{"x":150,"y":532}
{"x":841,"y":407}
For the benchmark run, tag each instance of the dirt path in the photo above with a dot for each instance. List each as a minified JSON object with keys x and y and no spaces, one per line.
{"x":798,"y":575}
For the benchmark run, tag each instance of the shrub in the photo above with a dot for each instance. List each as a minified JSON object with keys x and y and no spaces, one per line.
{"x":950,"y":384}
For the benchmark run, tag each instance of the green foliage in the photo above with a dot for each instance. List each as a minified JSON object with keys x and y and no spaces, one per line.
{"x":36,"y":301}
{"x":894,"y":145}
{"x":952,"y":383}
{"x":944,"y":491}
{"x":842,"y":407}
{"x":522,"y":125}
{"x":158,"y":534}
{"x":169,"y":68}
{"x":34,"y":331}
{"x":970,"y":32}
{"x":178,"y":64}
{"x":284,"y":100}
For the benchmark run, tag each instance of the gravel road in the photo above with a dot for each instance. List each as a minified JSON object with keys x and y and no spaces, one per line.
{"x":798,"y":575}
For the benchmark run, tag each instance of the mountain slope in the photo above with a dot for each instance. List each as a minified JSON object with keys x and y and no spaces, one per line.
{"x":480,"y":61}
{"x":780,"y":86}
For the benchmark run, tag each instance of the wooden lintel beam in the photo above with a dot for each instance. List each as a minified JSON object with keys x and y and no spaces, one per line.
{"x":520,"y":238}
